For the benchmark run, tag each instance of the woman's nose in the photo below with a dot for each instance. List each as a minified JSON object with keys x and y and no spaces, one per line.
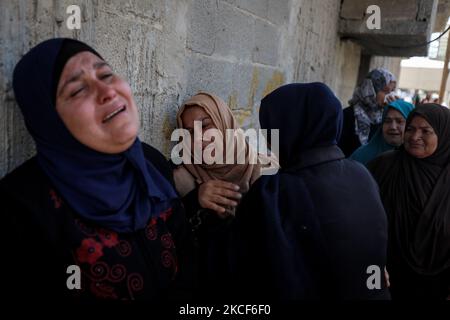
{"x":105,"y":92}
{"x":393,"y":126}
{"x":416,"y":136}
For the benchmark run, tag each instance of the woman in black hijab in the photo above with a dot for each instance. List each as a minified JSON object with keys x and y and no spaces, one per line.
{"x":313,"y":230}
{"x":415,"y":188}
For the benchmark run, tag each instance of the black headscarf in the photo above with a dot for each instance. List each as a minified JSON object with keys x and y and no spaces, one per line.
{"x":278,"y":245}
{"x":416,"y":196}
{"x":308,"y":116}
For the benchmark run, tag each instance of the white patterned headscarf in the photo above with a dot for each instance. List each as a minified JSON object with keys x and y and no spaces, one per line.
{"x":364,"y":103}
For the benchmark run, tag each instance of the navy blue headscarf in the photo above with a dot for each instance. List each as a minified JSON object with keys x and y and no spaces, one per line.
{"x":117,"y":191}
{"x":308,"y":115}
{"x":277,"y":242}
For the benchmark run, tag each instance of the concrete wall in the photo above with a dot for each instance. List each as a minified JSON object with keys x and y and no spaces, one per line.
{"x":403,"y":25}
{"x":170,"y":49}
{"x":390,"y":63}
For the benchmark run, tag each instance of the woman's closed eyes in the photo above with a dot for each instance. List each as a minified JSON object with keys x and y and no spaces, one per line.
{"x":206,"y":124}
{"x":107,"y":76}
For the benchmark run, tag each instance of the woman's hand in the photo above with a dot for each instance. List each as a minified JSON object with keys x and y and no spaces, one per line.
{"x":386,"y":277}
{"x":390,"y":98}
{"x":217,"y":195}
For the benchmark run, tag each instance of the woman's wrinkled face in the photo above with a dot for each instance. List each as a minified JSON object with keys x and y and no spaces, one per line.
{"x":394,"y":127}
{"x":194,"y":113}
{"x":96,"y":105}
{"x":420,"y":139}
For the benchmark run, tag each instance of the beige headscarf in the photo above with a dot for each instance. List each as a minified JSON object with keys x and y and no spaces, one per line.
{"x":242,"y":175}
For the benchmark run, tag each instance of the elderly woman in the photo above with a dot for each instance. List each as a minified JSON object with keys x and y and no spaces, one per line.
{"x":415,"y":188}
{"x":316,"y":228}
{"x":363,"y":116}
{"x":94,"y":196}
{"x":389,"y":136}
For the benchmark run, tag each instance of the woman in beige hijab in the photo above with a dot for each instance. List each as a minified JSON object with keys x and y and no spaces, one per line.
{"x":217,"y":183}
{"x":214,"y":187}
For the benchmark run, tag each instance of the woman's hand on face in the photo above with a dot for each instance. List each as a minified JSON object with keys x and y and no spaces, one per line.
{"x":217,"y":195}
{"x":390,"y":98}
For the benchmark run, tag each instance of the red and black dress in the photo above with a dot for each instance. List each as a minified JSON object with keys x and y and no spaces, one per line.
{"x":44,"y":237}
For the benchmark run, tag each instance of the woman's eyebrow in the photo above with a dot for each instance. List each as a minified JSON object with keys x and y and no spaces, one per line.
{"x":73,"y":78}
{"x":76,"y":76}
{"x":200,"y":120}
{"x":100,"y":64}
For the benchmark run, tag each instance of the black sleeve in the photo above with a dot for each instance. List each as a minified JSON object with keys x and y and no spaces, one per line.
{"x":29,"y":268}
{"x":201,"y":254}
{"x":13,"y":235}
{"x":211,"y":243}
{"x":191,"y":204}
{"x":200,"y":219}
{"x":186,"y":282}
{"x":159,"y":161}
{"x":32,"y":264}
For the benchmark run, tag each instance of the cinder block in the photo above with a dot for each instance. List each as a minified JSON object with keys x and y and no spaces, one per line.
{"x":235,"y":33}
{"x":257,"y":7}
{"x":278,"y":11}
{"x":208,"y":74}
{"x":267,"y":42}
{"x":202,"y":26}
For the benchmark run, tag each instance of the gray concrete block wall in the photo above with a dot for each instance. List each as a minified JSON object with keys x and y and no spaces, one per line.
{"x":349,"y":68}
{"x":265,"y":35}
{"x":170,"y":49}
{"x":390,"y":63}
{"x":403,"y":22}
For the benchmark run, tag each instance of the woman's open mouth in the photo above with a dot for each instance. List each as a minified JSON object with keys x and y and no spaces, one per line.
{"x":113,"y":114}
